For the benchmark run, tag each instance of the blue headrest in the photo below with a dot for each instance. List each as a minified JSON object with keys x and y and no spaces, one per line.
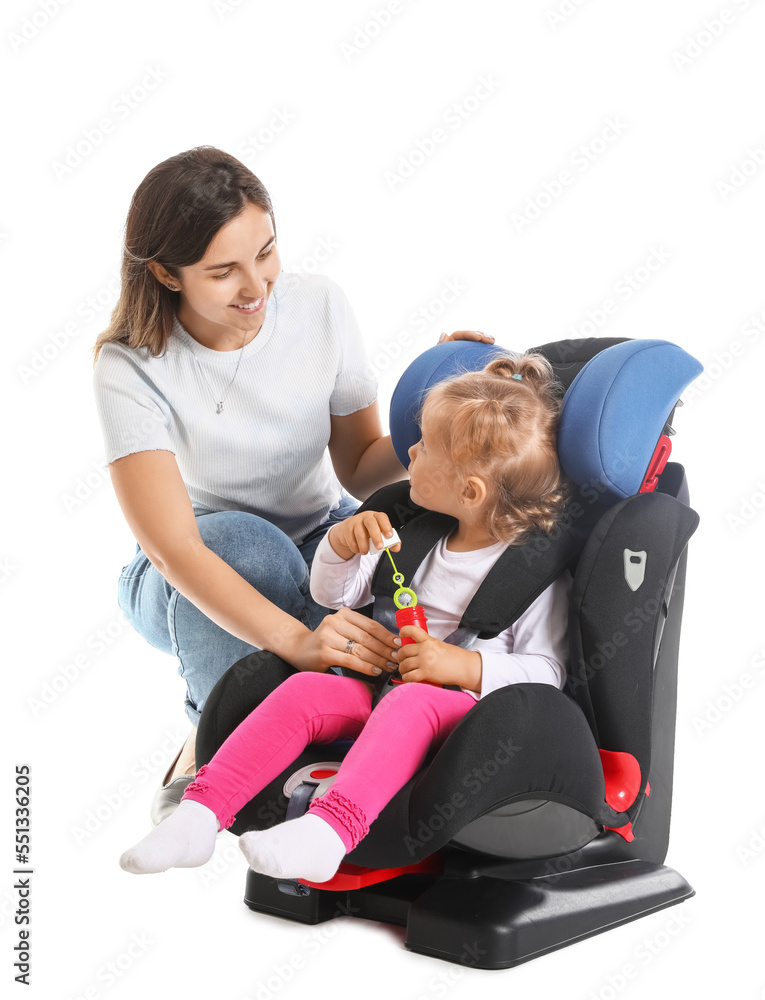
{"x":615,"y":410}
{"x":612,"y":415}
{"x":434,"y":365}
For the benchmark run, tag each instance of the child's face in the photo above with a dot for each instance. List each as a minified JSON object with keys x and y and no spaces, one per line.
{"x":431,"y":474}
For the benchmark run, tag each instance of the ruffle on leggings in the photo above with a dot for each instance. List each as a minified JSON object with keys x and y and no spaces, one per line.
{"x":347,"y":813}
{"x":201,"y":790}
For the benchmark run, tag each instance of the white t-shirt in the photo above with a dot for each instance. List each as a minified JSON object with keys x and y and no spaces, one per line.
{"x":535,"y":647}
{"x":266,"y":453}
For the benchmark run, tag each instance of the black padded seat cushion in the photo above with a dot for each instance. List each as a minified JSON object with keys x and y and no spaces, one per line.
{"x":471,"y":774}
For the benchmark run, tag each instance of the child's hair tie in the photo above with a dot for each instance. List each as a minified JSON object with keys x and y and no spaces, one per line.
{"x":519,"y":377}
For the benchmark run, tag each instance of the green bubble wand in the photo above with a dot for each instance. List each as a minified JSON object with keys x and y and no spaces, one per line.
{"x":404,"y":597}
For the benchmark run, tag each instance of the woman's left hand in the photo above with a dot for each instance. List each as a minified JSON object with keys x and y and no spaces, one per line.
{"x":466,"y":335}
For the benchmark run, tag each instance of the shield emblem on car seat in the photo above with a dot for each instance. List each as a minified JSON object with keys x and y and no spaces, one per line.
{"x":634,"y":568}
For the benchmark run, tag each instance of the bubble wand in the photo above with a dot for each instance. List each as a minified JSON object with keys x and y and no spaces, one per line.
{"x":409,"y":612}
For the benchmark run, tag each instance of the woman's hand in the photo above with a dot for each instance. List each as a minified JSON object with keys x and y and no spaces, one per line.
{"x":466,"y":335}
{"x":430,"y":659}
{"x":352,"y":536}
{"x":346,"y":639}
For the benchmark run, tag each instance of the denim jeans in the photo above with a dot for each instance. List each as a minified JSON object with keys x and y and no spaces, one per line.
{"x":262,"y":554}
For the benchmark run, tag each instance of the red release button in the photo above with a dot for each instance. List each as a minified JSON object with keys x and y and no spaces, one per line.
{"x":323,"y":774}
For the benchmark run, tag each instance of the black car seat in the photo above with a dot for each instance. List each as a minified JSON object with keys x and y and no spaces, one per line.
{"x":544,"y":818}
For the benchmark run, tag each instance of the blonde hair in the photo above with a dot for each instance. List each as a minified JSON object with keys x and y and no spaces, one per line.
{"x":504,"y":430}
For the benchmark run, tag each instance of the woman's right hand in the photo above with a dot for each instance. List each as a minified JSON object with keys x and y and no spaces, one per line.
{"x":373,"y":648}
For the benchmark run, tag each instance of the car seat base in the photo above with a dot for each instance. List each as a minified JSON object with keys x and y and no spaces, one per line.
{"x":489,"y":922}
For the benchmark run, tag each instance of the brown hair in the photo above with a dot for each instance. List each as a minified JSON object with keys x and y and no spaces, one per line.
{"x":504,"y":430}
{"x":174,"y":215}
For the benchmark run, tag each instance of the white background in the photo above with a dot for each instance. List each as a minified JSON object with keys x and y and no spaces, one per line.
{"x":682,"y":85}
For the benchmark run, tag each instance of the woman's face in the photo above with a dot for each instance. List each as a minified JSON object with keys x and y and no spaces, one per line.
{"x":238,"y":271}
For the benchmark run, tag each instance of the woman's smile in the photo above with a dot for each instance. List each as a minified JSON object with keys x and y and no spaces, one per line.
{"x":251,"y":307}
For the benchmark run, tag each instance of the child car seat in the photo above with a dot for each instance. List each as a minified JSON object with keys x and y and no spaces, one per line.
{"x":544,"y":817}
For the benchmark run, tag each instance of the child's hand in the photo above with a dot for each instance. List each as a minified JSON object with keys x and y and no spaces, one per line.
{"x":429,"y":659}
{"x":352,"y":535}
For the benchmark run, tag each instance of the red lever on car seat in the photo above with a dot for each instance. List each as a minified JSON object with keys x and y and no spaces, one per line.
{"x":622,"y":774}
{"x":656,"y":465}
{"x":350,"y":876}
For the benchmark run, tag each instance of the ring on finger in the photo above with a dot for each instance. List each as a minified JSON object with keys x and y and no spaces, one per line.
{"x":349,"y":645}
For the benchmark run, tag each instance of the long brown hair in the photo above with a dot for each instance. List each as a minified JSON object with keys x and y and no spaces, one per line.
{"x":504,"y":428}
{"x":173,"y":217}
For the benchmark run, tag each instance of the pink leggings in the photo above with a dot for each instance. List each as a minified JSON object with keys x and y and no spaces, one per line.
{"x":391,"y":745}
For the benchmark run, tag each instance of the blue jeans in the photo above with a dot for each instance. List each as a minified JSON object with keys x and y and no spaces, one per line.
{"x":262,"y":554}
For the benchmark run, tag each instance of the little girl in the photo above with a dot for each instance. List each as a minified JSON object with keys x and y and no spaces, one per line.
{"x":487,"y":456}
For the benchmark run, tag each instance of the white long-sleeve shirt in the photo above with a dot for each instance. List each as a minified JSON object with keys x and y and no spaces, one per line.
{"x":533,"y":649}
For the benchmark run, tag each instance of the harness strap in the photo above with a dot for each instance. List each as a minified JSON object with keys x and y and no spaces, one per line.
{"x":513,"y":583}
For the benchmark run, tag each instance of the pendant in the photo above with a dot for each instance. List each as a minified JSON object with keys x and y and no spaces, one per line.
{"x":219,"y":407}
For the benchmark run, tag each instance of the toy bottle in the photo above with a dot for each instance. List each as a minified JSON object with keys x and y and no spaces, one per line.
{"x":414,"y":615}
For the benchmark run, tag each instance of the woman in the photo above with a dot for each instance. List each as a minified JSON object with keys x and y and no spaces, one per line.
{"x":240,"y":421}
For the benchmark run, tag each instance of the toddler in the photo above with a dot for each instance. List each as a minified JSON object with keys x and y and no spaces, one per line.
{"x":487,"y":456}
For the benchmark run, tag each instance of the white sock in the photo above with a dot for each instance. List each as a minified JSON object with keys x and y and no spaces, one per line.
{"x":186,"y":839}
{"x":307,"y":847}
